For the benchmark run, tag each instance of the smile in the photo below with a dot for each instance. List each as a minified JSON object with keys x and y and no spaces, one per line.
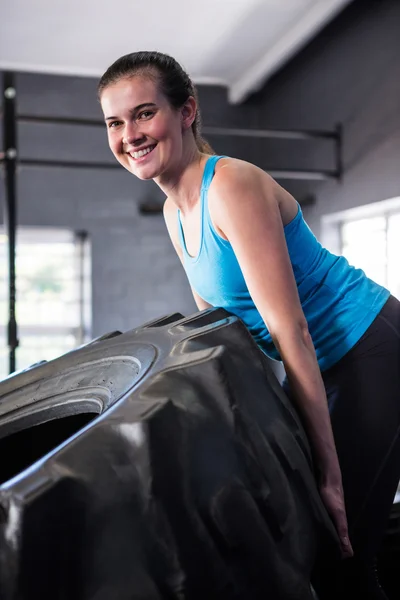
{"x":142,"y":153}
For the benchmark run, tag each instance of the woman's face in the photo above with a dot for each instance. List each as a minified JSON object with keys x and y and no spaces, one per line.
{"x":144,"y":131}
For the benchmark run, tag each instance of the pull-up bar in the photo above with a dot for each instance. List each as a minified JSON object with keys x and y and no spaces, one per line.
{"x":281,"y":134}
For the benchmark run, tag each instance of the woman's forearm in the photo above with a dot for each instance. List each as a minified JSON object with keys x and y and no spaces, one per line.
{"x":304,"y":376}
{"x":298,"y":355}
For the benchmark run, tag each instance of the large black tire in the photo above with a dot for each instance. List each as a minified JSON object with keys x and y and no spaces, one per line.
{"x":162,"y":463}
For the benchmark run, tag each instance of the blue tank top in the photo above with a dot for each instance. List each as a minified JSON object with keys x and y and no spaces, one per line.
{"x":338,"y":300}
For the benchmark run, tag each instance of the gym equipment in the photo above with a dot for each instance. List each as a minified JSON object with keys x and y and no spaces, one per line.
{"x":161,"y":463}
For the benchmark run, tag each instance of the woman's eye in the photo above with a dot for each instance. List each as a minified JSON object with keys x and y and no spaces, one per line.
{"x":146,"y":114}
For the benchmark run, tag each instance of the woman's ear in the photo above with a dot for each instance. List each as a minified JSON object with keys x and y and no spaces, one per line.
{"x":188,"y":111}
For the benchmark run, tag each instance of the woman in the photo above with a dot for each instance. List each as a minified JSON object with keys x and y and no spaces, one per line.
{"x":245,"y":247}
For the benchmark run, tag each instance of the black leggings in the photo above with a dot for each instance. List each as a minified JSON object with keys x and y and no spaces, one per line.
{"x":363,"y":392}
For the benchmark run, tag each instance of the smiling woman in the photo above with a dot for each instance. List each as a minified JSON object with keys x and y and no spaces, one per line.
{"x":246,"y":248}
{"x":143,"y":117}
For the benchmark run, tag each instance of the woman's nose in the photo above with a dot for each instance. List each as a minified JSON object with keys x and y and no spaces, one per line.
{"x":132,"y":134}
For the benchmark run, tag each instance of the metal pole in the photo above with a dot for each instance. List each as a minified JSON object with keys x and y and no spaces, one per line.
{"x":61,"y":120}
{"x":10,"y":208}
{"x":68,"y":164}
{"x":273,"y":134}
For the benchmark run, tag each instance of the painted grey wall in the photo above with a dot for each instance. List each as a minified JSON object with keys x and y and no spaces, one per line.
{"x":349,"y":74}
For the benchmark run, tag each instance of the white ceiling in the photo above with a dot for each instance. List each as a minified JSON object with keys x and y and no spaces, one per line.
{"x":237,"y":43}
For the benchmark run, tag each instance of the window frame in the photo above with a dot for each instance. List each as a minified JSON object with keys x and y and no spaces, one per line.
{"x":332,"y":226}
{"x":82,"y":260}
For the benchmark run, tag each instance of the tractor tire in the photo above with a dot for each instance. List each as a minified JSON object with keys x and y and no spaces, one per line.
{"x":164,"y":463}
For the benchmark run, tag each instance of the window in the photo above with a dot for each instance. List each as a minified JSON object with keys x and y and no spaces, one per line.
{"x":53,"y":295}
{"x":373,"y":244}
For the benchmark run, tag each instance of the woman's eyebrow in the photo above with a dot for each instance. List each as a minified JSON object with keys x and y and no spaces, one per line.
{"x":134,"y":110}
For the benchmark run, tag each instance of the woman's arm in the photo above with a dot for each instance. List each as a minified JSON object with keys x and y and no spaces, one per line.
{"x":170,"y":217}
{"x":244,"y":206}
{"x":201,"y":304}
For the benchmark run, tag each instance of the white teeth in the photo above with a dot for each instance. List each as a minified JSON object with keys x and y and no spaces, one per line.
{"x":142,"y":152}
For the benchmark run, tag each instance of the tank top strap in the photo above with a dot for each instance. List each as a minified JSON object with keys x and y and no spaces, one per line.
{"x":208,"y":175}
{"x":209,"y":172}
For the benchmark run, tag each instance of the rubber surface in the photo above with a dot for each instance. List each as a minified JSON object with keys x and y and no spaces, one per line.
{"x":167,"y":464}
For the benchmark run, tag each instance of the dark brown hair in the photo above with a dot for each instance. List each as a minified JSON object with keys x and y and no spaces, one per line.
{"x":175,"y":83}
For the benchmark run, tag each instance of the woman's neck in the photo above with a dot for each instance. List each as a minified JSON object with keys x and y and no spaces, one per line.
{"x":183,"y":185}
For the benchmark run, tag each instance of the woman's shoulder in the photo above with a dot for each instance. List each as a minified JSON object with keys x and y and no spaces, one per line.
{"x":237,"y":170}
{"x":240,"y":185}
{"x":237,"y":178}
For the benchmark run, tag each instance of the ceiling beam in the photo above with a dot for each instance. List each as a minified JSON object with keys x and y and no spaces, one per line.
{"x":285,"y":48}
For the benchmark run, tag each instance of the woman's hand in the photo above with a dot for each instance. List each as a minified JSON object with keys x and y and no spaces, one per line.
{"x":333,"y":498}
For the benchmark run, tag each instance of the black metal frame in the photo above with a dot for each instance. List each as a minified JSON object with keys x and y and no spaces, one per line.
{"x":11,"y":160}
{"x":282,"y":134}
{"x":10,"y":205}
